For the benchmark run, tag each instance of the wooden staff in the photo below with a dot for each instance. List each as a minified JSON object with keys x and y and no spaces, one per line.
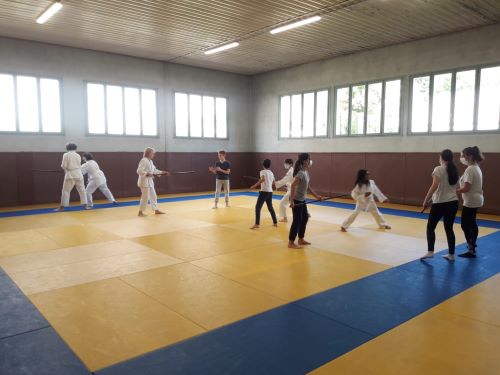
{"x":322,"y":200}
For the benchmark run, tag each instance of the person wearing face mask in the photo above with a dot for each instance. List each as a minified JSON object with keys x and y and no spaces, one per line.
{"x":298,"y":193}
{"x":442,"y":193}
{"x":285,"y":181}
{"x":471,"y":188}
{"x":363,"y":192}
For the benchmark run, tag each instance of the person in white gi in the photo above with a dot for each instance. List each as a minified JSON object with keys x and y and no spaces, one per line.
{"x":147,"y":171}
{"x":363,"y":193}
{"x":97,"y":179}
{"x":285,"y":181}
{"x":71,"y":165}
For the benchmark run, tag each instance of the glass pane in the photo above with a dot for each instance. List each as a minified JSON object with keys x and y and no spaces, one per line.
{"x":114,"y":109}
{"x":221,"y":117}
{"x":463,"y":118}
{"x":51,"y":105}
{"x":420,"y":105}
{"x":489,"y":99}
{"x":308,"y":121}
{"x":392,"y":103}
{"x":374,"y":110}
{"x":285,"y":117}
{"x":195,"y":115}
{"x":7,"y":103}
{"x":132,"y":111}
{"x":181,"y":115}
{"x":342,"y":111}
{"x":296,"y":115}
{"x":208,"y":117}
{"x":358,"y":110}
{"x":321,"y":113}
{"x":27,"y":102}
{"x":441,"y":103}
{"x":149,"y":120}
{"x":95,"y":109}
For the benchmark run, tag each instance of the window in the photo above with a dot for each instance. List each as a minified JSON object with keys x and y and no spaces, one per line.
{"x":200,"y":116}
{"x":29,"y":104}
{"x":117,"y":110}
{"x":304,"y":115}
{"x":456,"y":101}
{"x":368,"y":108}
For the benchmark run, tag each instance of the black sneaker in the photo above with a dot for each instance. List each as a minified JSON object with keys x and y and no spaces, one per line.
{"x":467,"y":254}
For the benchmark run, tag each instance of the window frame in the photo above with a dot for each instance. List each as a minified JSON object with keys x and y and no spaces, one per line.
{"x":477,"y":89}
{"x":382,"y":111}
{"x":302,"y":93}
{"x":214,"y":96}
{"x":122,"y":86}
{"x":60,"y":80}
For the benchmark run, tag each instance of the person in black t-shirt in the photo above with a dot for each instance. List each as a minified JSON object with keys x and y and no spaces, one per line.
{"x":222,"y":170}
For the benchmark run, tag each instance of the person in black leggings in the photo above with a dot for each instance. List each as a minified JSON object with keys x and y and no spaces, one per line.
{"x":267,"y":184}
{"x":471,"y":188}
{"x":444,"y":204}
{"x":298,"y":193}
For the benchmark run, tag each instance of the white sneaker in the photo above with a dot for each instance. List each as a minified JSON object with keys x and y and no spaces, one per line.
{"x":430,"y":254}
{"x":449,"y":257}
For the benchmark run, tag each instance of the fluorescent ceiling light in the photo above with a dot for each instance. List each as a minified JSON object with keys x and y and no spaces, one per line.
{"x":295,"y":24}
{"x":222,"y":48}
{"x":49,"y":12}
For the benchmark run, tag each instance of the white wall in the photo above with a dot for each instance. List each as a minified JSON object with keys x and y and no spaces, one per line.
{"x":75,"y":66}
{"x":474,"y":47}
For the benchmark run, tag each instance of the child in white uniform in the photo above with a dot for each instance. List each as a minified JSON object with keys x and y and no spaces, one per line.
{"x":285,"y":181}
{"x":71,"y":164}
{"x":363,"y":193}
{"x":266,"y":183}
{"x":146,"y":171}
{"x":97,"y":179}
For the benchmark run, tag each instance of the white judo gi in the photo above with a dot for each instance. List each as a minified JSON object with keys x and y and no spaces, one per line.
{"x":287,"y":181}
{"x":146,"y":184}
{"x":97,"y":180}
{"x":366,"y":203}
{"x":71,"y":164}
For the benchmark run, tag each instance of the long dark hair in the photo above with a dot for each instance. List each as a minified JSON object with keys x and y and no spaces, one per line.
{"x":451,"y":168}
{"x":473,"y":152}
{"x":88,"y":156}
{"x":299,"y":163}
{"x":360,"y":178}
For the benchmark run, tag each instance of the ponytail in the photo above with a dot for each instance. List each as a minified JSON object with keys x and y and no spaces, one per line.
{"x":299,"y":163}
{"x":474,"y":153}
{"x":451,"y":168}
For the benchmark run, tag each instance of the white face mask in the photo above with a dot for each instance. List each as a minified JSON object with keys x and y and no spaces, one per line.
{"x":464,"y":161}
{"x":287,"y":166}
{"x":310,"y":162}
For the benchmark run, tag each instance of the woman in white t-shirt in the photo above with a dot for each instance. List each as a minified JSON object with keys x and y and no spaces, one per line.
{"x":266,"y":183}
{"x":471,"y":188}
{"x":444,"y":199}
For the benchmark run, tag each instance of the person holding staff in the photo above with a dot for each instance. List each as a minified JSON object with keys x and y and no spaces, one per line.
{"x":285,"y":181}
{"x":222,"y":171}
{"x":147,"y":171}
{"x":443,"y":195}
{"x":298,"y":194}
{"x":97,"y":179}
{"x":71,"y":165}
{"x":266,"y":183}
{"x":471,"y":188}
{"x":363,"y":193}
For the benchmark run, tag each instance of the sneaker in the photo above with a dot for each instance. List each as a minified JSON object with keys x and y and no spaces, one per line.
{"x":430,"y":254}
{"x":449,"y":257}
{"x":467,"y":254}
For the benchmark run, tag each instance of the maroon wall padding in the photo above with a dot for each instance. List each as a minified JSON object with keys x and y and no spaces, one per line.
{"x":403,"y":177}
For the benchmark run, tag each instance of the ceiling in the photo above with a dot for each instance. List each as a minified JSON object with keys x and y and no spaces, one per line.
{"x":180,"y":31}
